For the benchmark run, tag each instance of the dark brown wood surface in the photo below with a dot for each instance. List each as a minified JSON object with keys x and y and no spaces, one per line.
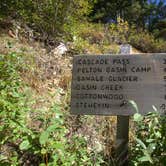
{"x":104,"y":84}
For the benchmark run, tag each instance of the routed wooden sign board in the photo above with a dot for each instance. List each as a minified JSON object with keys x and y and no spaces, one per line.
{"x":104,"y":84}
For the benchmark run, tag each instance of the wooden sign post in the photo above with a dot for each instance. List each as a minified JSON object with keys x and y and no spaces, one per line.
{"x":104,"y":85}
{"x":122,"y":137}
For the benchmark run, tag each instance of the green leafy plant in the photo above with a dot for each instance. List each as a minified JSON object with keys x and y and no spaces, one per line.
{"x":13,"y":105}
{"x":150,"y":140}
{"x":29,"y":135}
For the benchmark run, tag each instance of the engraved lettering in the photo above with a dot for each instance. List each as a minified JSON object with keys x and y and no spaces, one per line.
{"x":141,"y":69}
{"x":89,"y":70}
{"x":123,"y":78}
{"x":163,"y":108}
{"x":121,"y":61}
{"x":116,"y":69}
{"x":93,"y":105}
{"x":90,"y":78}
{"x":164,"y":78}
{"x":111,"y":87}
{"x":164,"y":61}
{"x":85,"y":87}
{"x":95,"y":61}
{"x":100,"y":96}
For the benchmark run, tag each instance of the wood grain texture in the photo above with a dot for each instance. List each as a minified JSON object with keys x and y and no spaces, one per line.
{"x":104,"y":84}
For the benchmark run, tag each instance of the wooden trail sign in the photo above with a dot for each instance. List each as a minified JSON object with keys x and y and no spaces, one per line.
{"x":104,"y":85}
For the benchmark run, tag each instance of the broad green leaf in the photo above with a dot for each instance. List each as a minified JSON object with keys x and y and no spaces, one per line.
{"x":151,"y":147}
{"x":150,"y":140}
{"x":134,"y":105}
{"x":138,"y":117}
{"x":52,"y":128}
{"x":141,"y":143}
{"x":55,"y":157}
{"x":58,"y":145}
{"x":24,"y":145}
{"x":2,"y":157}
{"x":43,"y":137}
{"x":144,"y":158}
{"x":42,"y":164}
{"x":147,"y":154}
{"x":43,"y":151}
{"x":56,"y":108}
{"x":158,"y":134}
{"x":154,"y":108}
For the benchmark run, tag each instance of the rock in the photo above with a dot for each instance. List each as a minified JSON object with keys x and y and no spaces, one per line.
{"x":60,"y":50}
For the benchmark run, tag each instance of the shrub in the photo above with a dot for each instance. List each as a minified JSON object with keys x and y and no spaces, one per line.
{"x":150,"y":146}
{"x":119,"y":32}
{"x":146,"y":42}
{"x":47,"y":17}
{"x":34,"y":136}
{"x":12,"y":104}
